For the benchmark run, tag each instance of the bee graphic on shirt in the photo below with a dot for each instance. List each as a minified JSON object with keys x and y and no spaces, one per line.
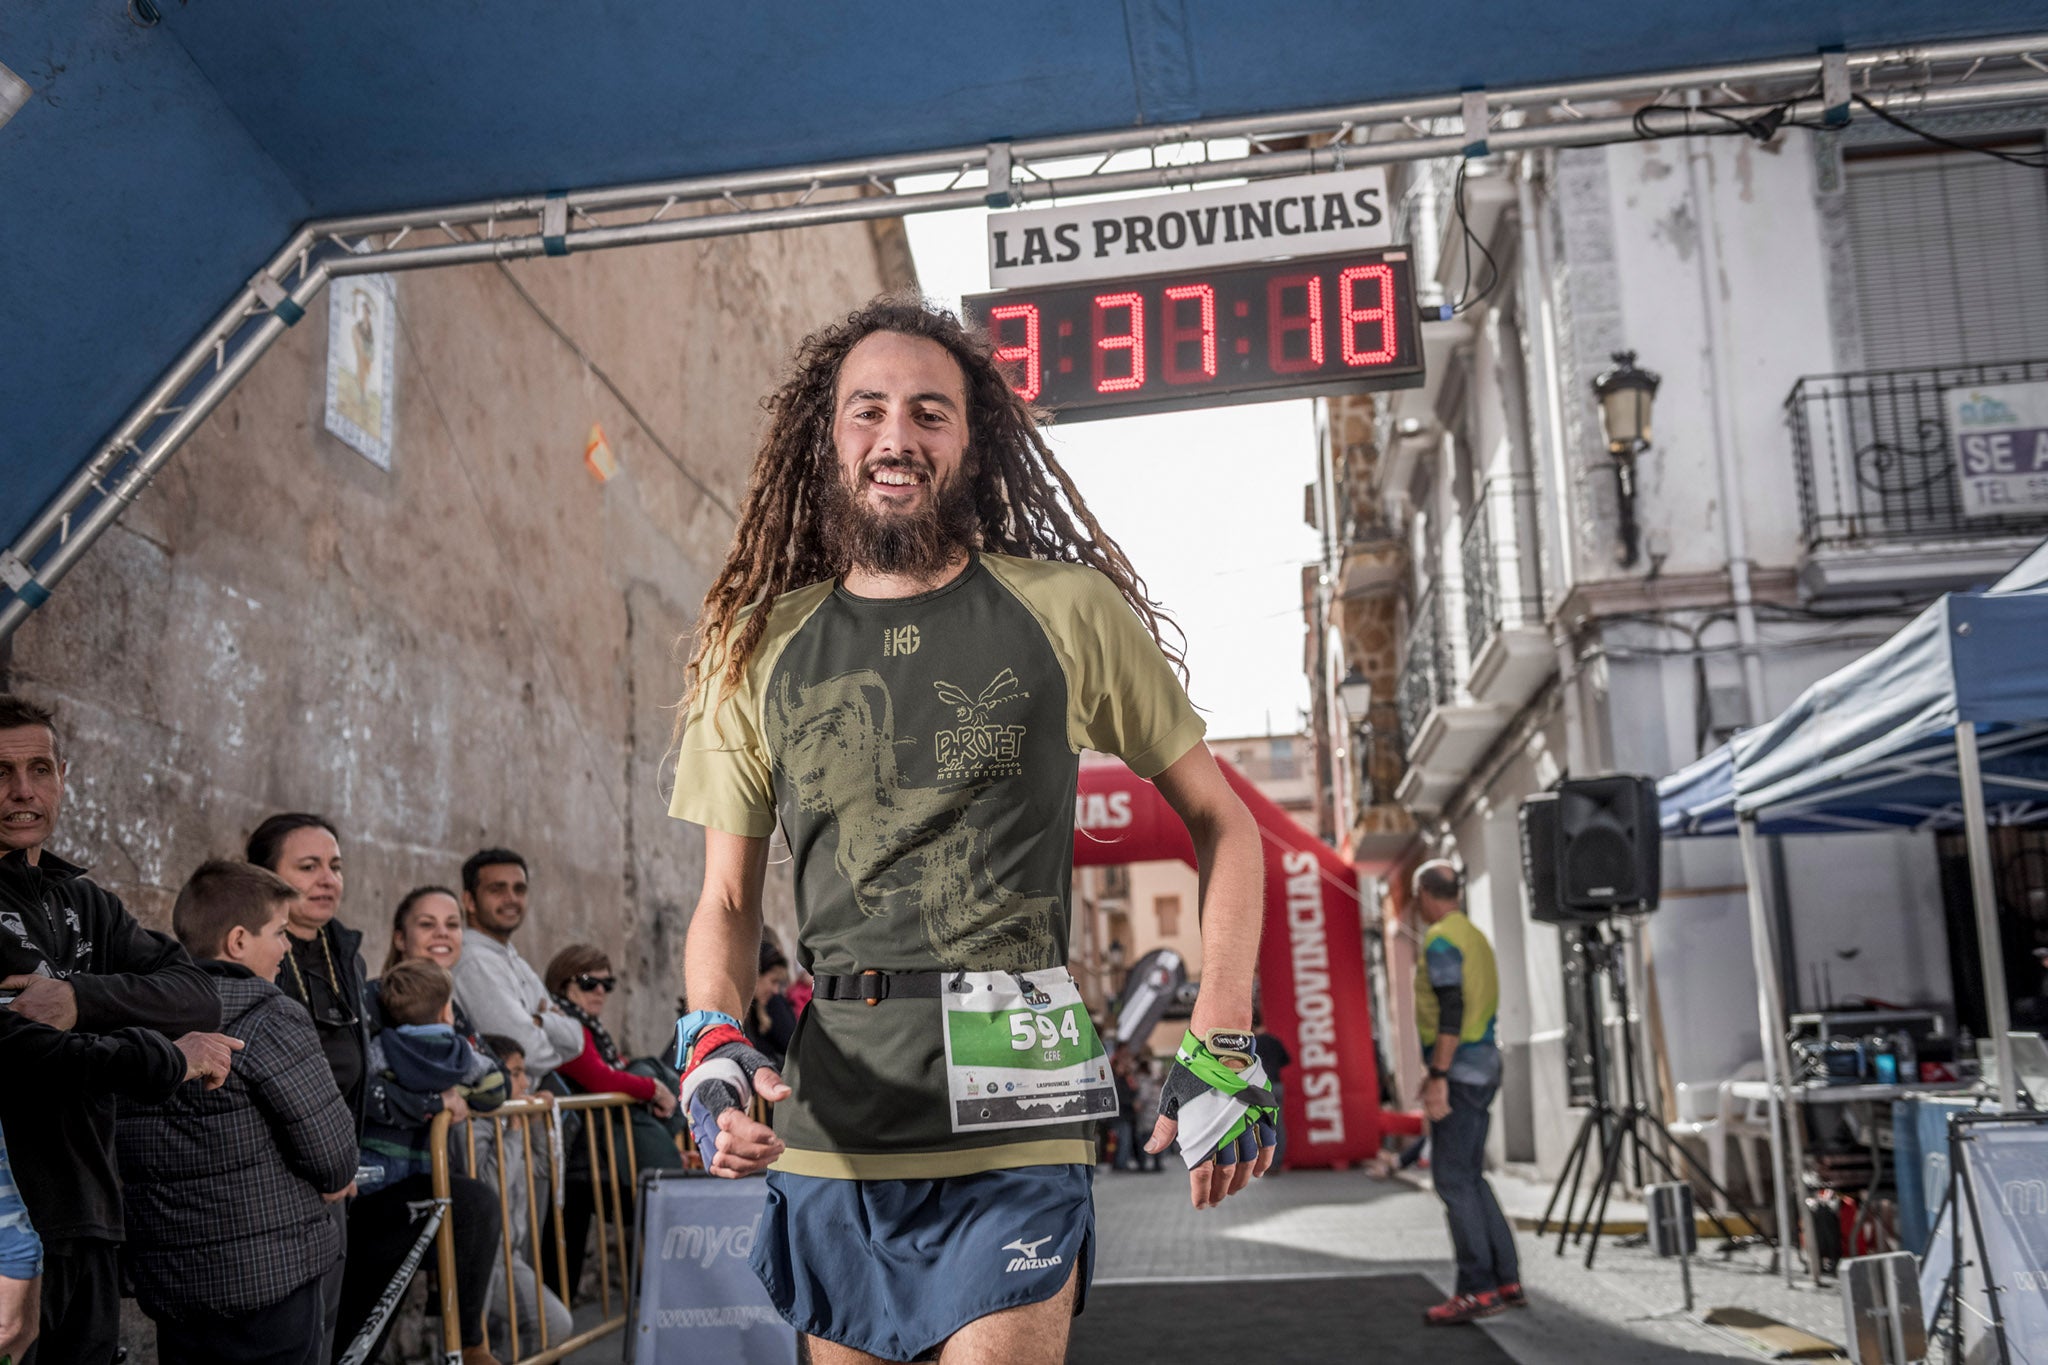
{"x":978,"y":746}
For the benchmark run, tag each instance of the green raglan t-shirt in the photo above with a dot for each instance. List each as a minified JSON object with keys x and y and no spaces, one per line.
{"x":922,"y":755}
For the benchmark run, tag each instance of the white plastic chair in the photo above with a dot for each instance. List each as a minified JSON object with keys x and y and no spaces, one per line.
{"x":1746,"y":1123}
{"x":1699,"y":1119}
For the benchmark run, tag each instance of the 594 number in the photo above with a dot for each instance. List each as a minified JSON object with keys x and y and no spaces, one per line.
{"x":1028,"y":1030}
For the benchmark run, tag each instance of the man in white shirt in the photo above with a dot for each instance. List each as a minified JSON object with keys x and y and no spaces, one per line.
{"x":499,"y":992}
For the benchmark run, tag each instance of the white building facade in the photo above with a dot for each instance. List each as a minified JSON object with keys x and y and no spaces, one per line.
{"x":1521,"y":617}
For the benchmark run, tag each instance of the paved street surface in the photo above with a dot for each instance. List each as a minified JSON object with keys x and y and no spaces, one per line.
{"x":1339,"y":1225}
{"x":1336,"y":1226}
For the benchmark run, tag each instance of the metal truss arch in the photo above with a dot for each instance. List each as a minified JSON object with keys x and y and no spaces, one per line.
{"x":1829,"y":88}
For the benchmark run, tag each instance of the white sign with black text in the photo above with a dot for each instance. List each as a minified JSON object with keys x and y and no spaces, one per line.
{"x":1309,"y":215}
{"x":2000,"y":433}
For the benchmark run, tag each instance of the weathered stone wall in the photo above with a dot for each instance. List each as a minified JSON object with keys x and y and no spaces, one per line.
{"x":474,"y":648}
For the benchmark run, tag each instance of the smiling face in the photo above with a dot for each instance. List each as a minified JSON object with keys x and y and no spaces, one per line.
{"x":432,"y":930}
{"x":31,"y":787}
{"x":310,"y":860}
{"x":902,"y":503}
{"x":498,"y":905}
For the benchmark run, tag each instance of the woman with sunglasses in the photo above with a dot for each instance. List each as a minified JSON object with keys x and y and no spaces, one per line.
{"x":581,"y":981}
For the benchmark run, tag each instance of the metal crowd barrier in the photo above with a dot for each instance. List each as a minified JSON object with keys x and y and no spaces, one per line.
{"x":604,"y":1179}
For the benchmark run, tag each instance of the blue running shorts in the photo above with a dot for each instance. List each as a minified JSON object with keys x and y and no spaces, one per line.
{"x":894,"y":1267}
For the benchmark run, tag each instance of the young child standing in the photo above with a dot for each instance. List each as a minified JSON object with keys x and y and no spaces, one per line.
{"x":228,"y":1234}
{"x":420,"y":1050}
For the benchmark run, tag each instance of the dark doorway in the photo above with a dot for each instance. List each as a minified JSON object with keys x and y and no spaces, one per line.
{"x":2019,"y":862}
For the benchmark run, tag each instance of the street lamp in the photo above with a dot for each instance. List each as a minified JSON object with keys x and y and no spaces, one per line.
{"x":1355,"y":694}
{"x":1625,"y":394}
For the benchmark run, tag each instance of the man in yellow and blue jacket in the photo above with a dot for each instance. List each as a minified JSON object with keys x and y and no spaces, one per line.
{"x":1457,"y":1004}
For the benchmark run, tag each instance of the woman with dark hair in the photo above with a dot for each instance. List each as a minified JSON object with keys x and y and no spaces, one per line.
{"x":580,"y":980}
{"x":427,"y":926}
{"x":324,"y":969}
{"x":324,"y":972}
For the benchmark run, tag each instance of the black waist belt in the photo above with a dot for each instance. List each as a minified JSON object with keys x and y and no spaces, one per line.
{"x":875,"y":987}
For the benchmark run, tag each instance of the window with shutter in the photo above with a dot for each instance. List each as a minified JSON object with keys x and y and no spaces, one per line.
{"x":1951,"y":257}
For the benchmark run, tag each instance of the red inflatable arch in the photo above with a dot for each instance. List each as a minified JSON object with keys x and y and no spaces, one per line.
{"x":1312,"y":980}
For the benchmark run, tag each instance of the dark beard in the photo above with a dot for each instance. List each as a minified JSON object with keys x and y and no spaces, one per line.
{"x":918,"y":545}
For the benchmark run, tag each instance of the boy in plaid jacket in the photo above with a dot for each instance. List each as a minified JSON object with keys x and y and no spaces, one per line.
{"x":227,"y":1230}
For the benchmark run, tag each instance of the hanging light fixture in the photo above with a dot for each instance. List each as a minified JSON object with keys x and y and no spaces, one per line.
{"x":1354,"y":693}
{"x":1626,"y":394}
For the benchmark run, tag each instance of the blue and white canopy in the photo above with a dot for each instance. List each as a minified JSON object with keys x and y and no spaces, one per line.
{"x":1872,"y":746}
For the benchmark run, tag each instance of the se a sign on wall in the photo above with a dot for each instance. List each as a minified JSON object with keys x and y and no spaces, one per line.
{"x":2000,"y":433}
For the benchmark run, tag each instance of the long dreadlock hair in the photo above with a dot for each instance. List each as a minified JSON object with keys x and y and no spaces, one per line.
{"x":1025,"y":503}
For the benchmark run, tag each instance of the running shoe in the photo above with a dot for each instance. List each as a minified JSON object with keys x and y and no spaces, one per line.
{"x":1463,"y":1308}
{"x":1511,"y":1294}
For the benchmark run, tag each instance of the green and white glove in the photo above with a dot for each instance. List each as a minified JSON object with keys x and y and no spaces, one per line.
{"x":1225,"y":1115}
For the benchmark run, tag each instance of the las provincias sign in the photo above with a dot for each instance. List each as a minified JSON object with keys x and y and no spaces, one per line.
{"x":1310,"y":215}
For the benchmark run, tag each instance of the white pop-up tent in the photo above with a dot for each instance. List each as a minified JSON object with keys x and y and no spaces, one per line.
{"x":1944,"y":726}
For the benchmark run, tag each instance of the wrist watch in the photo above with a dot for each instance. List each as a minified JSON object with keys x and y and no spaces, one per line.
{"x":1232,"y":1047}
{"x":694,"y":1023}
{"x":1437,"y":1073}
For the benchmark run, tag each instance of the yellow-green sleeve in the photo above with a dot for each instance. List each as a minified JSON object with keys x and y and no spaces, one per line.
{"x":1123,"y":697}
{"x":722,"y":769}
{"x":724,"y":772}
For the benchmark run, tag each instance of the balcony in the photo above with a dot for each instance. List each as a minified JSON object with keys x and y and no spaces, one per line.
{"x":1880,"y":495}
{"x":1504,"y":631}
{"x":1443,"y":730}
{"x":1375,"y":559}
{"x":1380,"y":829}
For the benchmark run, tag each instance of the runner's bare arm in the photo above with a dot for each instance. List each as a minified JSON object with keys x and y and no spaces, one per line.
{"x":720,"y":960}
{"x":723,"y":949}
{"x":1232,"y":869}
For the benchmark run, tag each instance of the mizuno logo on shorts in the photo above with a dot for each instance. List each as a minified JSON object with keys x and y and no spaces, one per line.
{"x":1030,"y":1260}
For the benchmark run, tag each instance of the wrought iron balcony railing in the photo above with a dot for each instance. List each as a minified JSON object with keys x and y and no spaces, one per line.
{"x":1426,"y":679}
{"x":1501,"y":584}
{"x":1877,"y":460}
{"x":1381,"y":755}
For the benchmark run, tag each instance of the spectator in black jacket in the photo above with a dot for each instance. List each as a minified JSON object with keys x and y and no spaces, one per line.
{"x":78,"y":964}
{"x":323,"y":971}
{"x":228,"y":1190}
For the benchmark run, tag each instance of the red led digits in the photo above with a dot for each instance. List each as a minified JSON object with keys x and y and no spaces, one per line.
{"x":1028,"y":381}
{"x":1281,"y":324}
{"x":1132,"y":340}
{"x":1350,"y":316}
{"x":1176,"y":335}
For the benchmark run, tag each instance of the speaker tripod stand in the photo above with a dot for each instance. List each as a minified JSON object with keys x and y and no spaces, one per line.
{"x":1618,"y":1131}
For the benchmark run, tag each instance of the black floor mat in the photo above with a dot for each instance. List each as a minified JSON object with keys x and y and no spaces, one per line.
{"x":1273,"y":1322}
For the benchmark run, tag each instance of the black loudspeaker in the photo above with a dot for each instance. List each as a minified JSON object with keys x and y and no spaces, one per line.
{"x":1591,"y":849}
{"x":1539,"y":860}
{"x":1609,"y":846}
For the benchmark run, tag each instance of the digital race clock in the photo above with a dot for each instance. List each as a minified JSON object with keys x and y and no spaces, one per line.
{"x":1278,"y":329}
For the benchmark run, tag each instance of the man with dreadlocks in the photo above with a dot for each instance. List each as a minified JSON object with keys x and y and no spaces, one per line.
{"x":919,"y":628}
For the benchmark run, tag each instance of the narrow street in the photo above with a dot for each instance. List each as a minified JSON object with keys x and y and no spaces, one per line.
{"x":1344,"y":1226}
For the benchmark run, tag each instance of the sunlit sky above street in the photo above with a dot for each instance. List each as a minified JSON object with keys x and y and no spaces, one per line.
{"x":1208,"y":504}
